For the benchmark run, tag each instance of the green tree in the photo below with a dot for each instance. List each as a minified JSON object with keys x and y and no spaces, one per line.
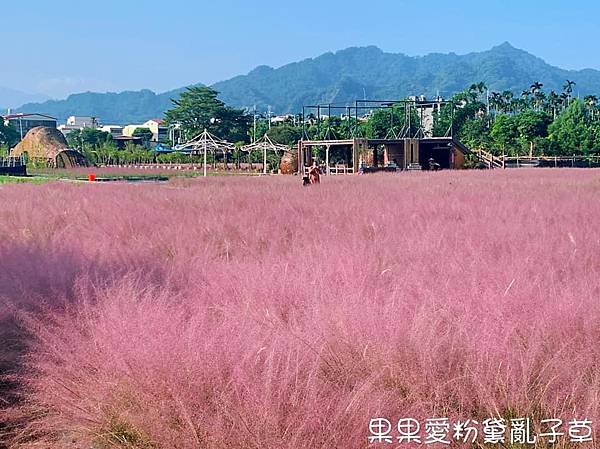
{"x":8,"y":135}
{"x":474,"y":133}
{"x":571,"y":132}
{"x":464,"y":106}
{"x":262,"y":126}
{"x":531,"y":127}
{"x":106,"y":153}
{"x":504,"y":133}
{"x":87,"y":137}
{"x":145,"y":134}
{"x":198,"y":108}
{"x":391,"y":122}
{"x":285,"y":134}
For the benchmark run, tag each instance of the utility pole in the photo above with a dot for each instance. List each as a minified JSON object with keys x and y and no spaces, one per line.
{"x":269,"y":115}
{"x":205,"y":143}
{"x":254,"y":134}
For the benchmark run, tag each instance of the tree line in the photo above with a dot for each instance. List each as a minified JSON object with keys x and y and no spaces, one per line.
{"x":532,"y":123}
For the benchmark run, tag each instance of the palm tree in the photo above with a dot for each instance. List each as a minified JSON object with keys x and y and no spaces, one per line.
{"x":553,"y":102}
{"x":540,"y":98}
{"x":591,"y":101}
{"x":536,"y":87}
{"x":536,"y":91}
{"x":568,"y":89}
{"x":475,"y":90}
{"x":472,"y":93}
{"x":508,"y":98}
{"x":496,"y":102}
{"x":525,"y":99}
{"x":564,"y":97}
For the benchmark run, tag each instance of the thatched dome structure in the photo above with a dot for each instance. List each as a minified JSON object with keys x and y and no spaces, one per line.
{"x":289,"y":163}
{"x":48,"y":145}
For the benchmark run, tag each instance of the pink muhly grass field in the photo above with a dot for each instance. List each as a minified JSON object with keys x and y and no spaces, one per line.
{"x":255,"y":313}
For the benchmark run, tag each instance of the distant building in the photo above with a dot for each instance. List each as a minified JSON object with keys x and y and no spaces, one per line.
{"x":23,"y":122}
{"x":282,"y":118}
{"x":427,"y":109}
{"x":114,"y":130}
{"x":83,"y":121}
{"x":160,"y":133}
{"x":122,"y":141}
{"x":76,"y":122}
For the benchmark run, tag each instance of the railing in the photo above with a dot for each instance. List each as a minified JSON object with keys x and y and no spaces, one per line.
{"x":492,"y":161}
{"x":340,"y":169}
{"x":337,"y":169}
{"x":12,"y":162}
{"x":553,"y":161}
{"x":489,"y":159}
{"x":13,"y":166}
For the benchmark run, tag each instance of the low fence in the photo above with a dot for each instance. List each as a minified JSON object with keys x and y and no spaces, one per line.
{"x":189,"y":167}
{"x":337,"y":169}
{"x":553,"y":161}
{"x":573,"y":161}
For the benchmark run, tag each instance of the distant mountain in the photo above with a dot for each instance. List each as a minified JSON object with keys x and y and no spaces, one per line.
{"x":355,"y":73}
{"x":341,"y":78}
{"x":11,"y":98}
{"x":110,"y":108}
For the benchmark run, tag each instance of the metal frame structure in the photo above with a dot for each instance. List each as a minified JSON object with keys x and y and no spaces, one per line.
{"x":409,"y":105}
{"x":265,"y":144}
{"x":397,"y":137}
{"x":205,"y":142}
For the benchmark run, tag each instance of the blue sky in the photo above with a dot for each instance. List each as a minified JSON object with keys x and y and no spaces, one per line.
{"x":58,"y":48}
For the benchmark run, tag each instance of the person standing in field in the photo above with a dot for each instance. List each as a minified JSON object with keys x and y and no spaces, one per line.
{"x":314,"y":173}
{"x":433,"y":165}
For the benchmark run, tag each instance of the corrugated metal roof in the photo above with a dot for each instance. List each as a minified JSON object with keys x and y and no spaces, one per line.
{"x":25,"y":115}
